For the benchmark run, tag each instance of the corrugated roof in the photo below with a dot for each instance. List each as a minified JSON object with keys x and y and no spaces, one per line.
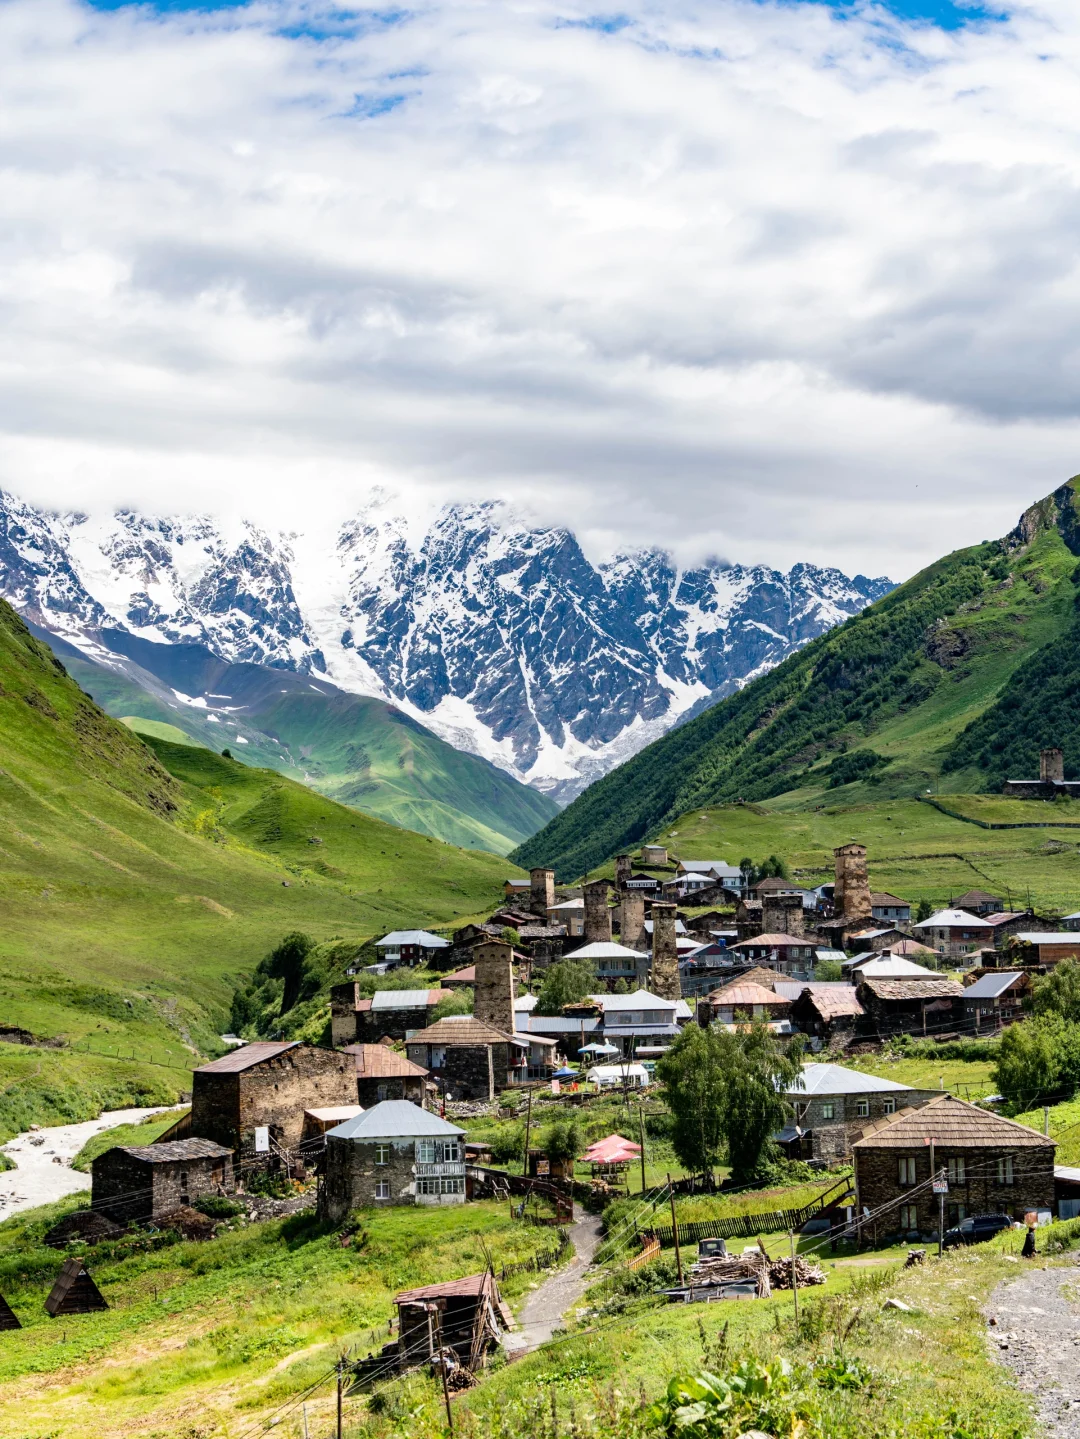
{"x":463,"y":1029}
{"x":792,"y":988}
{"x":247,"y":1057}
{"x":379,"y":1061}
{"x":893,"y":967}
{"x":176,"y":1150}
{"x":836,"y":1079}
{"x":914,"y":988}
{"x":745,"y":994}
{"x":952,"y":919}
{"x":421,"y":937}
{"x":406,"y":998}
{"x":1054,"y":936}
{"x":992,"y":986}
{"x":953,"y":1124}
{"x":336,"y":1113}
{"x":976,"y":896}
{"x":394,"y":1119}
{"x":640,"y":999}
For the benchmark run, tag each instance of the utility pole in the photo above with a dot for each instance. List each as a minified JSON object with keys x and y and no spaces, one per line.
{"x":641,"y":1136}
{"x":1046,"y":1119}
{"x":675,"y":1229}
{"x":340,"y":1379}
{"x":442,"y":1371}
{"x":528,"y":1129}
{"x":941,"y":1216}
{"x":794,"y":1277}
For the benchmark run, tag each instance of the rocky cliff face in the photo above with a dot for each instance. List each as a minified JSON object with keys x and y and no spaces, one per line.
{"x":505,"y":640}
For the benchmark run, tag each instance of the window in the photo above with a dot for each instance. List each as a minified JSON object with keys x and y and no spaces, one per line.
{"x":437,"y":1151}
{"x":862,"y":1108}
{"x":909,"y":1215}
{"x":425,"y":1151}
{"x":1005,"y":1169}
{"x":440,"y":1186}
{"x":907,"y":1170}
{"x":382,"y":1154}
{"x":438,"y":1058}
{"x":828,"y":1109}
{"x":381,"y":1092}
{"x":957,"y":1173}
{"x":888,"y":1106}
{"x":382,"y":1189}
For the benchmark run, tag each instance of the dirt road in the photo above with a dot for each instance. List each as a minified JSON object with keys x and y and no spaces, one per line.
{"x":44,"y":1156}
{"x":1037,"y":1335}
{"x":547,"y":1304}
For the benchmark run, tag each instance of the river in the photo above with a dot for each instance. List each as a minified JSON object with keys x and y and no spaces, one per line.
{"x":43,"y":1156}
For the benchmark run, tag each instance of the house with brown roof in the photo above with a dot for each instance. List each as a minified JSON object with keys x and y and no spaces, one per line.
{"x":992,"y":1165}
{"x":889,"y":908}
{"x":742,"y":1001}
{"x":257,"y":1095}
{"x":977,"y":901}
{"x":469,"y":1059}
{"x":828,"y":1013}
{"x":788,"y":953}
{"x":139,"y":1182}
{"x":912,"y":1006}
{"x":382,"y":1073}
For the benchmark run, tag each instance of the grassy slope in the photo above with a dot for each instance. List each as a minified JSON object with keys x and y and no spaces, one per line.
{"x":902,"y":680}
{"x":107,"y":894}
{"x":352,"y":748}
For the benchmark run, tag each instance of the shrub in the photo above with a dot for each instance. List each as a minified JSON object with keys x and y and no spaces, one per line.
{"x":217,"y":1206}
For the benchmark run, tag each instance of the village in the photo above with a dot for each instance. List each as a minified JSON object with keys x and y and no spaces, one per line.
{"x":484,"y":1087}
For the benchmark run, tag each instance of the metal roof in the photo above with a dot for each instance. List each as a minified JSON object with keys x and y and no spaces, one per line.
{"x":640,"y":999}
{"x":1054,"y":936}
{"x":335,"y":1113}
{"x":605,"y":949}
{"x":774,"y":941}
{"x":378,"y":1061}
{"x":991,"y":986}
{"x":406,"y":998}
{"x":421,"y":937}
{"x":836,"y":1079}
{"x":952,"y":919}
{"x":248,"y":1057}
{"x":891,"y":967}
{"x":394,"y":1119}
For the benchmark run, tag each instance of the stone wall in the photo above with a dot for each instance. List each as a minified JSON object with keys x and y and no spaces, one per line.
{"x":494,"y":993}
{"x":343,"y":1026}
{"x":228,"y":1107}
{"x":151,"y":1190}
{"x":782,"y":914}
{"x":597,"y":912}
{"x":833,"y":1137}
{"x":353,"y":1176}
{"x":469,"y":1071}
{"x":1051,"y":766}
{"x":632,"y":920}
{"x":664,"y":980}
{"x":375,"y":1024}
{"x":877,"y":1175}
{"x":374,"y":1090}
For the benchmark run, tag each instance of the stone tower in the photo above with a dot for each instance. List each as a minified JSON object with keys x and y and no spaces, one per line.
{"x":541,"y":892}
{"x":851,"y":893}
{"x":664,"y":980}
{"x":632,"y":919}
{"x":623,"y":870}
{"x":1052,"y":766}
{"x":494,"y":1002}
{"x":782,"y":914}
{"x":597,"y":913}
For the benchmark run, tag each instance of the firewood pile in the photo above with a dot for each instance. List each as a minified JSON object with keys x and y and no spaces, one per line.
{"x":720,"y":1269}
{"x":805,"y":1273}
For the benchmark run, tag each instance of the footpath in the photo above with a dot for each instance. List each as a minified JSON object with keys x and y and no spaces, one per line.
{"x":1035,"y":1332}
{"x":545,"y":1306}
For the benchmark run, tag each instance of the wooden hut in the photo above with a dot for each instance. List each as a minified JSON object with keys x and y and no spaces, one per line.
{"x":74,"y":1291}
{"x":463,"y":1315}
{"x":8,"y":1318}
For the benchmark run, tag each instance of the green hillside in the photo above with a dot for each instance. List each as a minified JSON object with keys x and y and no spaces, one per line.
{"x":353,"y":748}
{"x":939,"y":685}
{"x":137,"y":884}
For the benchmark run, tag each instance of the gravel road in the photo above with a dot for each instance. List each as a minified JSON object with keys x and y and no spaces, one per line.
{"x":547,"y":1304}
{"x":1037,"y":1335}
{"x":44,"y":1156}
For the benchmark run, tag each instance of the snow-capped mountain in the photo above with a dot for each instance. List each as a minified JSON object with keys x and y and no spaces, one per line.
{"x":502,"y":638}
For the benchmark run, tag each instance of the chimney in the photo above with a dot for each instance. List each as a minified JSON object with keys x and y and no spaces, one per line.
{"x":494,"y":1002}
{"x":623,"y":870}
{"x":541,"y":891}
{"x":1051,"y":766}
{"x":782,"y":914}
{"x":851,"y":892}
{"x":665,"y":954}
{"x":632,"y":919}
{"x":597,"y":914}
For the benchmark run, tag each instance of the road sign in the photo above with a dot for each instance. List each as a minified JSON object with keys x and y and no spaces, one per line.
{"x":941,"y":1186}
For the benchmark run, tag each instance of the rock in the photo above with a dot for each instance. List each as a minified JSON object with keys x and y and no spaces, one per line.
{"x":897,"y":1304}
{"x":992,"y":1320}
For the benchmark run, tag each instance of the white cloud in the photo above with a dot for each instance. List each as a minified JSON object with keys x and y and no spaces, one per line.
{"x":739,"y":278}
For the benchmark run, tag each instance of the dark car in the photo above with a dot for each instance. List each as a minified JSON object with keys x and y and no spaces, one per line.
{"x":976,"y":1229}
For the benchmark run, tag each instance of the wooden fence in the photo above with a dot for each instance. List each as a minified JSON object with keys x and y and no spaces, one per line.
{"x":545,"y":1260}
{"x":748,"y":1226}
{"x":650,"y":1252}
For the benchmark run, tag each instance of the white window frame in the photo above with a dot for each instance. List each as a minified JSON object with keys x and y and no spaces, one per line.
{"x":382,"y":1154}
{"x":862,"y":1108}
{"x":382,"y":1189}
{"x":888,"y":1106}
{"x":828,"y":1109}
{"x":438,"y":1057}
{"x":957,"y":1171}
{"x":425,"y":1151}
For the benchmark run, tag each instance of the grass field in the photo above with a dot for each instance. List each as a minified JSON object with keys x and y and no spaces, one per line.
{"x":913,"y":849}
{"x":145,"y":1132}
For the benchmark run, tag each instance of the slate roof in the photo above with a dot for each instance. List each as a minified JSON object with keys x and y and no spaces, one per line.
{"x":836,"y":1079}
{"x":834,"y":1001}
{"x":463,"y":1029}
{"x":953,"y":1124}
{"x":774,"y":941}
{"x":976,"y":896}
{"x":888,"y":901}
{"x":247,"y":1057}
{"x":394,"y":1119}
{"x":739,"y":994}
{"x":176,"y":1150}
{"x":379,"y":1061}
{"x":992,"y":986}
{"x":914,"y":988}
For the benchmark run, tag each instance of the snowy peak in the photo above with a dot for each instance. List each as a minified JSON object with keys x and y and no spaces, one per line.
{"x":502,"y":637}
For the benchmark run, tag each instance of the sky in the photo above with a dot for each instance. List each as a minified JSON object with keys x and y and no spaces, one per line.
{"x":770,"y":282}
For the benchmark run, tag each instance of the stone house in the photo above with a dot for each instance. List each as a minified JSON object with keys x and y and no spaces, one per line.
{"x":741,"y":1001}
{"x":394,"y":1153}
{"x":131,"y":1183}
{"x":382,"y":1073}
{"x":954,"y":933}
{"x":977,"y":901}
{"x":889,"y":908}
{"x":912,"y":1006}
{"x":468,"y":1059}
{"x":788,"y":953}
{"x":833,"y":1106}
{"x":258,"y":1093}
{"x":828,"y":1013}
{"x":388,"y":1014}
{"x":996,"y":999}
{"x":992,"y":1165}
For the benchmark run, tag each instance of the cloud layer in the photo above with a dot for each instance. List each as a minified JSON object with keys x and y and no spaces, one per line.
{"x":771,"y":281}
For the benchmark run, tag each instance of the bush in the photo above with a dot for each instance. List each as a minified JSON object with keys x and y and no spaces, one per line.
{"x":217,"y":1206}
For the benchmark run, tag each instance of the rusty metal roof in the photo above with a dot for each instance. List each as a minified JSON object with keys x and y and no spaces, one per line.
{"x":471,"y":1286}
{"x":377,"y":1061}
{"x":247,"y":1057}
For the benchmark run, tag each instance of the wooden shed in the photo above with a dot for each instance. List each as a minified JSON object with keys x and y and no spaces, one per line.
{"x":74,"y":1291}
{"x":8,"y":1318}
{"x":466,"y":1315}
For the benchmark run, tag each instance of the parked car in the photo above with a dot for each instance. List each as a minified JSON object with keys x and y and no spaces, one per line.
{"x":976,"y":1229}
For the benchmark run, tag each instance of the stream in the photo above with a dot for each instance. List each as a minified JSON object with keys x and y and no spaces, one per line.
{"x":43,"y":1156}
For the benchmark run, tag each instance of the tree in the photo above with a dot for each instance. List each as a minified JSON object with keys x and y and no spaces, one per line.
{"x":567,"y":982}
{"x":1059,"y":991}
{"x":692,"y":1073}
{"x":288,"y":962}
{"x":562,"y":1140}
{"x":509,"y":935}
{"x":1038,"y":1061}
{"x":458,"y":1001}
{"x":924,"y":911}
{"x":828,"y":970}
